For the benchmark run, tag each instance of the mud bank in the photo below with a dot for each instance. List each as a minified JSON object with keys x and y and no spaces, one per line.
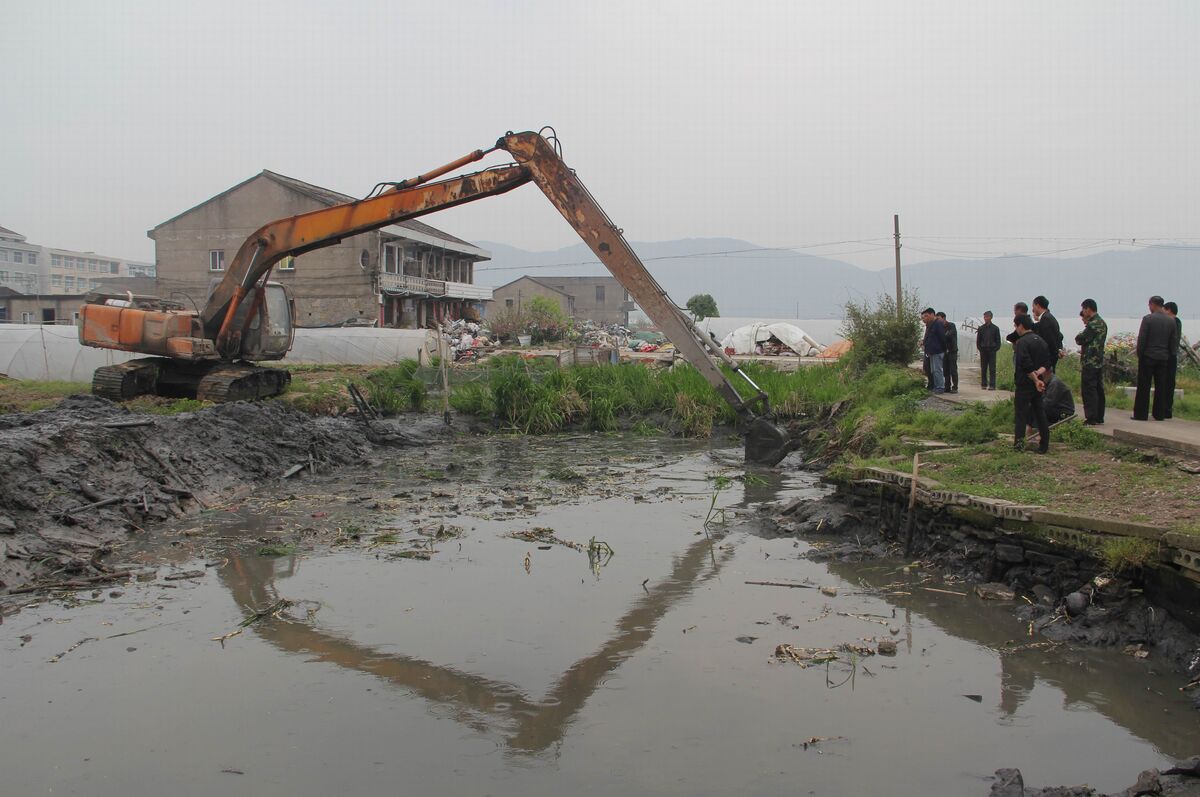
{"x":78,"y":479}
{"x":1062,"y":593}
{"x":1181,"y":780}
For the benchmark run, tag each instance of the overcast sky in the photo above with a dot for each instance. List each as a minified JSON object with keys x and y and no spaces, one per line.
{"x":781,"y":123}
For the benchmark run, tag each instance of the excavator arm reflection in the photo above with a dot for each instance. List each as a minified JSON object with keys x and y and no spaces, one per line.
{"x":481,"y":703}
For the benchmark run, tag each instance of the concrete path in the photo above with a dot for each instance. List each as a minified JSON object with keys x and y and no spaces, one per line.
{"x":1174,"y":434}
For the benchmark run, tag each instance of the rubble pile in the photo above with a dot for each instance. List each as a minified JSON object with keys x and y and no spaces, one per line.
{"x":77,"y":479}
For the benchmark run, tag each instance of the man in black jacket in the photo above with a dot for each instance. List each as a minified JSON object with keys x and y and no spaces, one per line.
{"x":1020,"y":308}
{"x":950,"y":361}
{"x":1047,"y":328}
{"x":1173,"y":358}
{"x":987,"y":341}
{"x":1157,"y":338}
{"x":1031,"y":359}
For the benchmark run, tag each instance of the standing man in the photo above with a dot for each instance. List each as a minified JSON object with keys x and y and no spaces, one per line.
{"x":987,"y":341}
{"x":1155,"y":338}
{"x":1091,"y":360}
{"x":1047,"y":328}
{"x":935,"y":347}
{"x":1031,"y":359}
{"x":1020,"y":308}
{"x":1173,"y":358}
{"x":950,"y":361}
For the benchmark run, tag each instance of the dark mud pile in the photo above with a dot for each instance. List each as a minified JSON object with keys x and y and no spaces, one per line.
{"x":1081,"y":604}
{"x":79,"y":478}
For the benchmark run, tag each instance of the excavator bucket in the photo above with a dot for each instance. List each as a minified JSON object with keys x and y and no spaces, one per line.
{"x":767,"y":443}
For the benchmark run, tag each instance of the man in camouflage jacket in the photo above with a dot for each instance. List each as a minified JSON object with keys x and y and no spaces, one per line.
{"x":1091,"y":342}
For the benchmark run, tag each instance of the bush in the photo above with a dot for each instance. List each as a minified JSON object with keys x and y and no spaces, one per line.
{"x":396,"y":388}
{"x":546,"y":320}
{"x":879,"y":334}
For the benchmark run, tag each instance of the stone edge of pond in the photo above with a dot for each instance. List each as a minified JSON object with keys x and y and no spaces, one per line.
{"x":1172,"y":581}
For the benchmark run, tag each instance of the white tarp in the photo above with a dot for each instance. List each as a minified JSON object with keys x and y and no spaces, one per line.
{"x":360,"y":346}
{"x":744,"y":339}
{"x":53,"y":351}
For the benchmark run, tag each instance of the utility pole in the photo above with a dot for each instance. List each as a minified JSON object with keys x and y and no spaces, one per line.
{"x":899,"y":302}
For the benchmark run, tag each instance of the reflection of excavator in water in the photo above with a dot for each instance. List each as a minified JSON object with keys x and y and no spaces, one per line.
{"x":207,"y":354}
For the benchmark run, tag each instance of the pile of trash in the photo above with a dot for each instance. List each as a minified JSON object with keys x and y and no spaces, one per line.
{"x":608,"y":336}
{"x":462,"y":334}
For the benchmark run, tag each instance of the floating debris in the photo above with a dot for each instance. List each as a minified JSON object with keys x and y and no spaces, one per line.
{"x":805,"y":657}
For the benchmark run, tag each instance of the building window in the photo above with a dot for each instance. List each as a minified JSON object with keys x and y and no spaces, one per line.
{"x":287,"y":264}
{"x":3,"y":314}
{"x":93,"y":265}
{"x":32,"y":259}
{"x":69,"y":282}
{"x":75,"y":319}
{"x":95,"y":283}
{"x":26,"y":318}
{"x":56,"y":280}
{"x":3,"y":276}
{"x":114,"y":268}
{"x":48,"y":315}
{"x":216,"y":259}
{"x":508,"y":303}
{"x":3,"y":255}
{"x":56,"y":260}
{"x":18,"y":257}
{"x":599,"y":294}
{"x":69,"y":262}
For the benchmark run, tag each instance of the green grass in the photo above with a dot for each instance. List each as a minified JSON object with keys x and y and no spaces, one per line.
{"x":1122,"y":554}
{"x":23,"y":395}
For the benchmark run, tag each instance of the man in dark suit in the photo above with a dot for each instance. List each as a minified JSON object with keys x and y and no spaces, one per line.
{"x":1047,"y":328}
{"x":1157,"y":338}
{"x":987,"y":341}
{"x":1031,"y":360}
{"x":1173,"y":358}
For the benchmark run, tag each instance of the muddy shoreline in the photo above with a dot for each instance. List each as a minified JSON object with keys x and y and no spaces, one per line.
{"x":81,"y":478}
{"x":1063,"y":595}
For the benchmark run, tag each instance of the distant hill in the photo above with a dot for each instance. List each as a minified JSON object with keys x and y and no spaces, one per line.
{"x":786,"y":284}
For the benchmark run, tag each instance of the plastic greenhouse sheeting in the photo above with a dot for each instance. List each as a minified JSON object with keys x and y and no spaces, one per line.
{"x":51,"y":351}
{"x":743,"y":339}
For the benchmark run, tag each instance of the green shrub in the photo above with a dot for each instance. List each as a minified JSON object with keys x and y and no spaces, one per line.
{"x":396,"y":388}
{"x":880,"y":334}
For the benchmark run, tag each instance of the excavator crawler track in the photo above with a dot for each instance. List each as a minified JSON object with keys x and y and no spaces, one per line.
{"x":126,"y":380}
{"x":241,"y":382}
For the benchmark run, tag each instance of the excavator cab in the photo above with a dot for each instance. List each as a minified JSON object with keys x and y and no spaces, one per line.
{"x":270,"y":332}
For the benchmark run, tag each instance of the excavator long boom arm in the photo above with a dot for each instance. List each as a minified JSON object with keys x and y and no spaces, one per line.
{"x":233,"y":302}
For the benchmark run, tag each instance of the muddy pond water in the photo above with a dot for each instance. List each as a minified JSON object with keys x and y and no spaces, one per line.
{"x":386,"y":633}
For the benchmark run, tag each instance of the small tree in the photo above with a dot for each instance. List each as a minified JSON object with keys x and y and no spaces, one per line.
{"x":508,"y":323}
{"x":547,"y":321}
{"x":703,"y":306}
{"x":880,"y":334}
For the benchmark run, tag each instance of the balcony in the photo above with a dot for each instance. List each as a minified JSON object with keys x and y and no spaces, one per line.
{"x":419,"y":286}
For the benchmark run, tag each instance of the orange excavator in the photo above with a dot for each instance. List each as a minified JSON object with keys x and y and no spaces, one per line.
{"x":209,"y":354}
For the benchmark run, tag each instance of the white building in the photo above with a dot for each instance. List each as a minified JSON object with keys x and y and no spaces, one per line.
{"x":33,"y":269}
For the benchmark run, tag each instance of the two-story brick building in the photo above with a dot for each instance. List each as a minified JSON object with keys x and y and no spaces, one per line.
{"x":404,"y":275}
{"x":600,"y":299}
